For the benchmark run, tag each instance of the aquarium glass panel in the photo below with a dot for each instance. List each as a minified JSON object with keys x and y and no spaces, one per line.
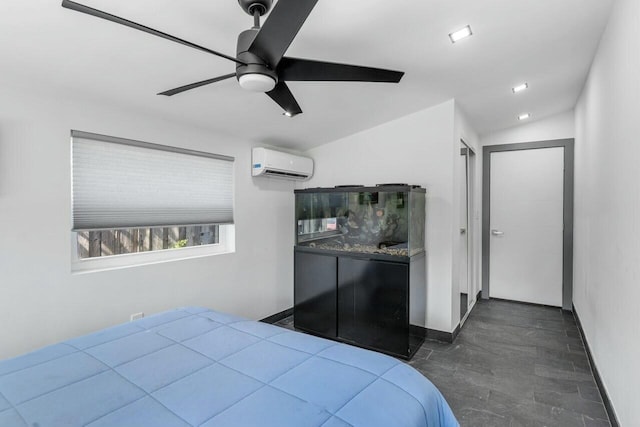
{"x":373,"y":220}
{"x":417,"y":202}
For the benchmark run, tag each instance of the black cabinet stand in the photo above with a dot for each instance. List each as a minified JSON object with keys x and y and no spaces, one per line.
{"x":368,"y":300}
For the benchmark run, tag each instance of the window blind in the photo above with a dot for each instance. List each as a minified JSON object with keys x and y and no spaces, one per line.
{"x":119,"y":183}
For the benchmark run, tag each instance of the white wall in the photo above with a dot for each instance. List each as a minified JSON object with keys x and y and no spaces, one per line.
{"x":416,"y":149}
{"x":558,"y":126}
{"x":606,"y":286}
{"x":41,"y":302}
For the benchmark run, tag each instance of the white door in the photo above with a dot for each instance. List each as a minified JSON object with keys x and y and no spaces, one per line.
{"x":526,"y":225}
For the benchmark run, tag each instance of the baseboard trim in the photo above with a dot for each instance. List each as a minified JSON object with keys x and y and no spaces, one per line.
{"x":535,"y":304}
{"x":278,"y":316}
{"x":613,"y":419}
{"x":434,"y":334}
{"x":455,"y":333}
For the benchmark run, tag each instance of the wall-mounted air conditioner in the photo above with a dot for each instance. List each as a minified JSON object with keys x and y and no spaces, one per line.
{"x":277,"y":164}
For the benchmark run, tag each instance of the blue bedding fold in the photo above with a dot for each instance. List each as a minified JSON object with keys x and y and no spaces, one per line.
{"x":197,"y":367}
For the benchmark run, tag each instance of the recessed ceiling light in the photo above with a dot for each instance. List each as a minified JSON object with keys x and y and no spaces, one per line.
{"x":460,"y":34}
{"x":524,"y":116}
{"x":520,"y":88}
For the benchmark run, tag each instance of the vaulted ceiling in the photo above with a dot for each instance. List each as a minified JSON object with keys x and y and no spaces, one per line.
{"x":548,"y":43}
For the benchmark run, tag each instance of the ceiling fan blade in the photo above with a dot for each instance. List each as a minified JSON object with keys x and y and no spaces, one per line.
{"x":104,"y":15}
{"x":280,"y":28}
{"x":296,"y":69}
{"x":195,"y":85}
{"x":283,"y":97}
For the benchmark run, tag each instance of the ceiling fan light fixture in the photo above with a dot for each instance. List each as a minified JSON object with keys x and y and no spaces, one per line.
{"x":255,"y":82}
{"x":460,"y":34}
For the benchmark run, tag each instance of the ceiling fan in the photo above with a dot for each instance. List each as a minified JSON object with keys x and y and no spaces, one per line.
{"x":260,"y":62}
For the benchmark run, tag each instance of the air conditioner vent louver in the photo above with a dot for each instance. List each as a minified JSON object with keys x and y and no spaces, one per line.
{"x":277,"y":164}
{"x":291,"y":174}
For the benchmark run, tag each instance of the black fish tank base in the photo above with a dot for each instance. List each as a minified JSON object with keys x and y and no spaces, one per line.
{"x":359,"y":266}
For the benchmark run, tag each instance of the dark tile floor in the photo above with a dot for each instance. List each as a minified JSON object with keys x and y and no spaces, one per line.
{"x":513,"y":365}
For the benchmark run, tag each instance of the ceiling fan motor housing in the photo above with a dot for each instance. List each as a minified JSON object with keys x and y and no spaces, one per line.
{"x":251,"y":6}
{"x":255,"y":64}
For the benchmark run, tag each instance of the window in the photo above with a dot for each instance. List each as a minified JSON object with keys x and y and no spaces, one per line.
{"x":134,"y":198}
{"x":99,"y":243}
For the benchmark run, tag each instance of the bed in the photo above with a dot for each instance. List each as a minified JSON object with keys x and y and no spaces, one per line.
{"x":198,"y":367}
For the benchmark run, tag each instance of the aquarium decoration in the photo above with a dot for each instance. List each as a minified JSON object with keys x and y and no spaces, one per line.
{"x":386,"y":219}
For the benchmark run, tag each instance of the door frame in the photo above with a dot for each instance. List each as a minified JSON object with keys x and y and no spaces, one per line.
{"x":471,"y":166}
{"x":567,"y":238}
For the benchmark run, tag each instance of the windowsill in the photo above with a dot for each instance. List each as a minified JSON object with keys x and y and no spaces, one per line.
{"x":117,"y":262}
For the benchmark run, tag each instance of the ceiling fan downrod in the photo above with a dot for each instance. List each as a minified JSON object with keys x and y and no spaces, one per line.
{"x":256,"y":8}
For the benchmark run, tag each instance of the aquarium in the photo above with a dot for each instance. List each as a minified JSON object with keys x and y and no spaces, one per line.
{"x":385,"y":219}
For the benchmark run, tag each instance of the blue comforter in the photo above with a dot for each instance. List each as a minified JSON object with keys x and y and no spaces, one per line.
{"x":197,"y":367}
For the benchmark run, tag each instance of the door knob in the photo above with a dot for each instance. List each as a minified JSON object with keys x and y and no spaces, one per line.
{"x":463,"y":230}
{"x":497,"y":232}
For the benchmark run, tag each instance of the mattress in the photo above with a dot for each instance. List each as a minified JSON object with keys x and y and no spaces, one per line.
{"x":197,"y":367}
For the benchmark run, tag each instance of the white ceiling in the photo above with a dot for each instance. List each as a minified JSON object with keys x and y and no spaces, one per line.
{"x":548,"y":43}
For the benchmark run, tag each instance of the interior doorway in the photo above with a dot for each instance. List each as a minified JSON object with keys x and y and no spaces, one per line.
{"x":527,"y":236}
{"x":465,"y":275}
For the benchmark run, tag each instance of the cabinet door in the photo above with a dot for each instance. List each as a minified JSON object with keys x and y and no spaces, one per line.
{"x":315,"y":289}
{"x":373,"y":304}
